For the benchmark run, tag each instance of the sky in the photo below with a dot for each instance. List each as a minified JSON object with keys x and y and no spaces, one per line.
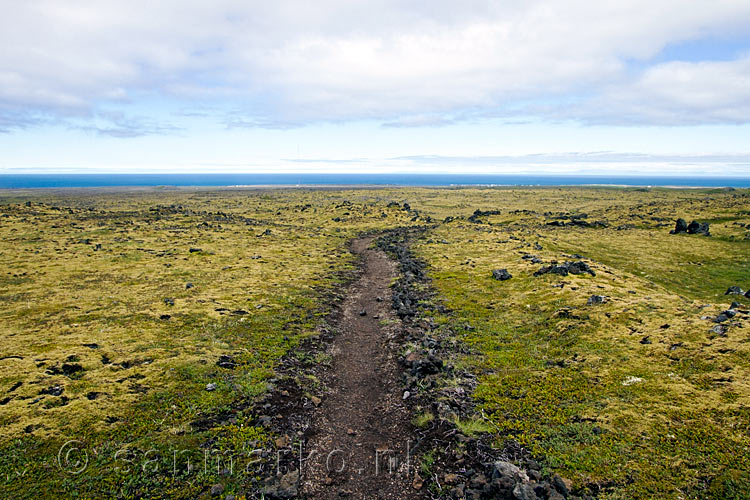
{"x":568,"y":86}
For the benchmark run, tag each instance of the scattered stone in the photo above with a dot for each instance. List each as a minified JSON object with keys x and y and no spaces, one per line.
{"x":217,"y":490}
{"x":720,"y":330}
{"x":417,"y":483}
{"x":363,"y":313}
{"x":696,"y":227}
{"x":632,"y":380}
{"x":501,"y":274}
{"x":92,"y":345}
{"x":559,"y":484}
{"x":165,"y":316}
{"x":524,"y":491}
{"x":315,"y":400}
{"x":406,"y":395}
{"x":195,"y":250}
{"x":288,"y":486}
{"x":480,"y":213}
{"x":226,"y":362}
{"x":577,"y":267}
{"x":503,"y":469}
{"x":645,"y":340}
{"x":70,"y":369}
{"x":211,"y":387}
{"x":722,"y":317}
{"x":680,"y":227}
{"x":450,"y":478}
{"x":596,"y":299}
{"x":735,"y":305}
{"x":168,"y":301}
{"x":188,"y":286}
{"x":54,"y":390}
{"x":734,"y":290}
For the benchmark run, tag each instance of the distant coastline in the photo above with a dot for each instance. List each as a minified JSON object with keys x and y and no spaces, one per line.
{"x":42,"y":181}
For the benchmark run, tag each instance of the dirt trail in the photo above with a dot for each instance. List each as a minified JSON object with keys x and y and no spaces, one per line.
{"x":363,"y":414}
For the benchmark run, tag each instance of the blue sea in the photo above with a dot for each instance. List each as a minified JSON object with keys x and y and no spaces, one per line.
{"x":22,"y":181}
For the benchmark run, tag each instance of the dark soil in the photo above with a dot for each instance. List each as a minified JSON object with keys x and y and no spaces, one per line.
{"x":358,"y":443}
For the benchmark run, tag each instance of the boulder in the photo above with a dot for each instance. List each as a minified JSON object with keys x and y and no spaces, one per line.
{"x":596,"y":299}
{"x":577,"y":267}
{"x":226,"y":362}
{"x":680,"y":227}
{"x":501,"y":274}
{"x":734,"y":290}
{"x":696,"y":227}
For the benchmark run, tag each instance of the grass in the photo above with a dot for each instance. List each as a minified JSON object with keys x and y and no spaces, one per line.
{"x":634,"y":393}
{"x":578,"y":385}
{"x":179,"y":279}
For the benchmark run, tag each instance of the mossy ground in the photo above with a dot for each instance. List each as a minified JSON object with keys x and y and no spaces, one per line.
{"x":555,"y":374}
{"x":635,"y":393}
{"x":260,"y":265}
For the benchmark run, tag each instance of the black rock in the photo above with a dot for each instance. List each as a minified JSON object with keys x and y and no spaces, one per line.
{"x":577,"y":267}
{"x":363,"y":313}
{"x":559,"y":485}
{"x":720,"y":330}
{"x":645,"y":340}
{"x":188,"y":286}
{"x":70,"y":369}
{"x":734,"y":290}
{"x":165,"y":316}
{"x":168,"y":301}
{"x":596,"y":299}
{"x":696,"y":227}
{"x":194,"y":250}
{"x":680,"y":227}
{"x":54,"y":390}
{"x":226,"y":362}
{"x":721,"y":318}
{"x":524,"y":491}
{"x":501,"y":274}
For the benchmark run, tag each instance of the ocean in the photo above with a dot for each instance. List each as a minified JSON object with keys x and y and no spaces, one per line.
{"x":24,"y":181}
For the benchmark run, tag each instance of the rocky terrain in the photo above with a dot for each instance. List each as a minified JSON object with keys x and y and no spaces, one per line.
{"x":382,"y":343}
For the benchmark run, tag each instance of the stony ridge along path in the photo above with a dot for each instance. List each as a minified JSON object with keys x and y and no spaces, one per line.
{"x":358,"y":443}
{"x":351,"y":435}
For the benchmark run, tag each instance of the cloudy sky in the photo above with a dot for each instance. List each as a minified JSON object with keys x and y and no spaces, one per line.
{"x":654,"y":86}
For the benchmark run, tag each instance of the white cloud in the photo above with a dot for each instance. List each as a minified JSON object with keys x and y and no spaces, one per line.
{"x":282,"y":63}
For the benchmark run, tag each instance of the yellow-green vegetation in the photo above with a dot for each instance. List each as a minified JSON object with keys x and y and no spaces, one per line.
{"x":116,"y":307}
{"x":636,"y":392}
